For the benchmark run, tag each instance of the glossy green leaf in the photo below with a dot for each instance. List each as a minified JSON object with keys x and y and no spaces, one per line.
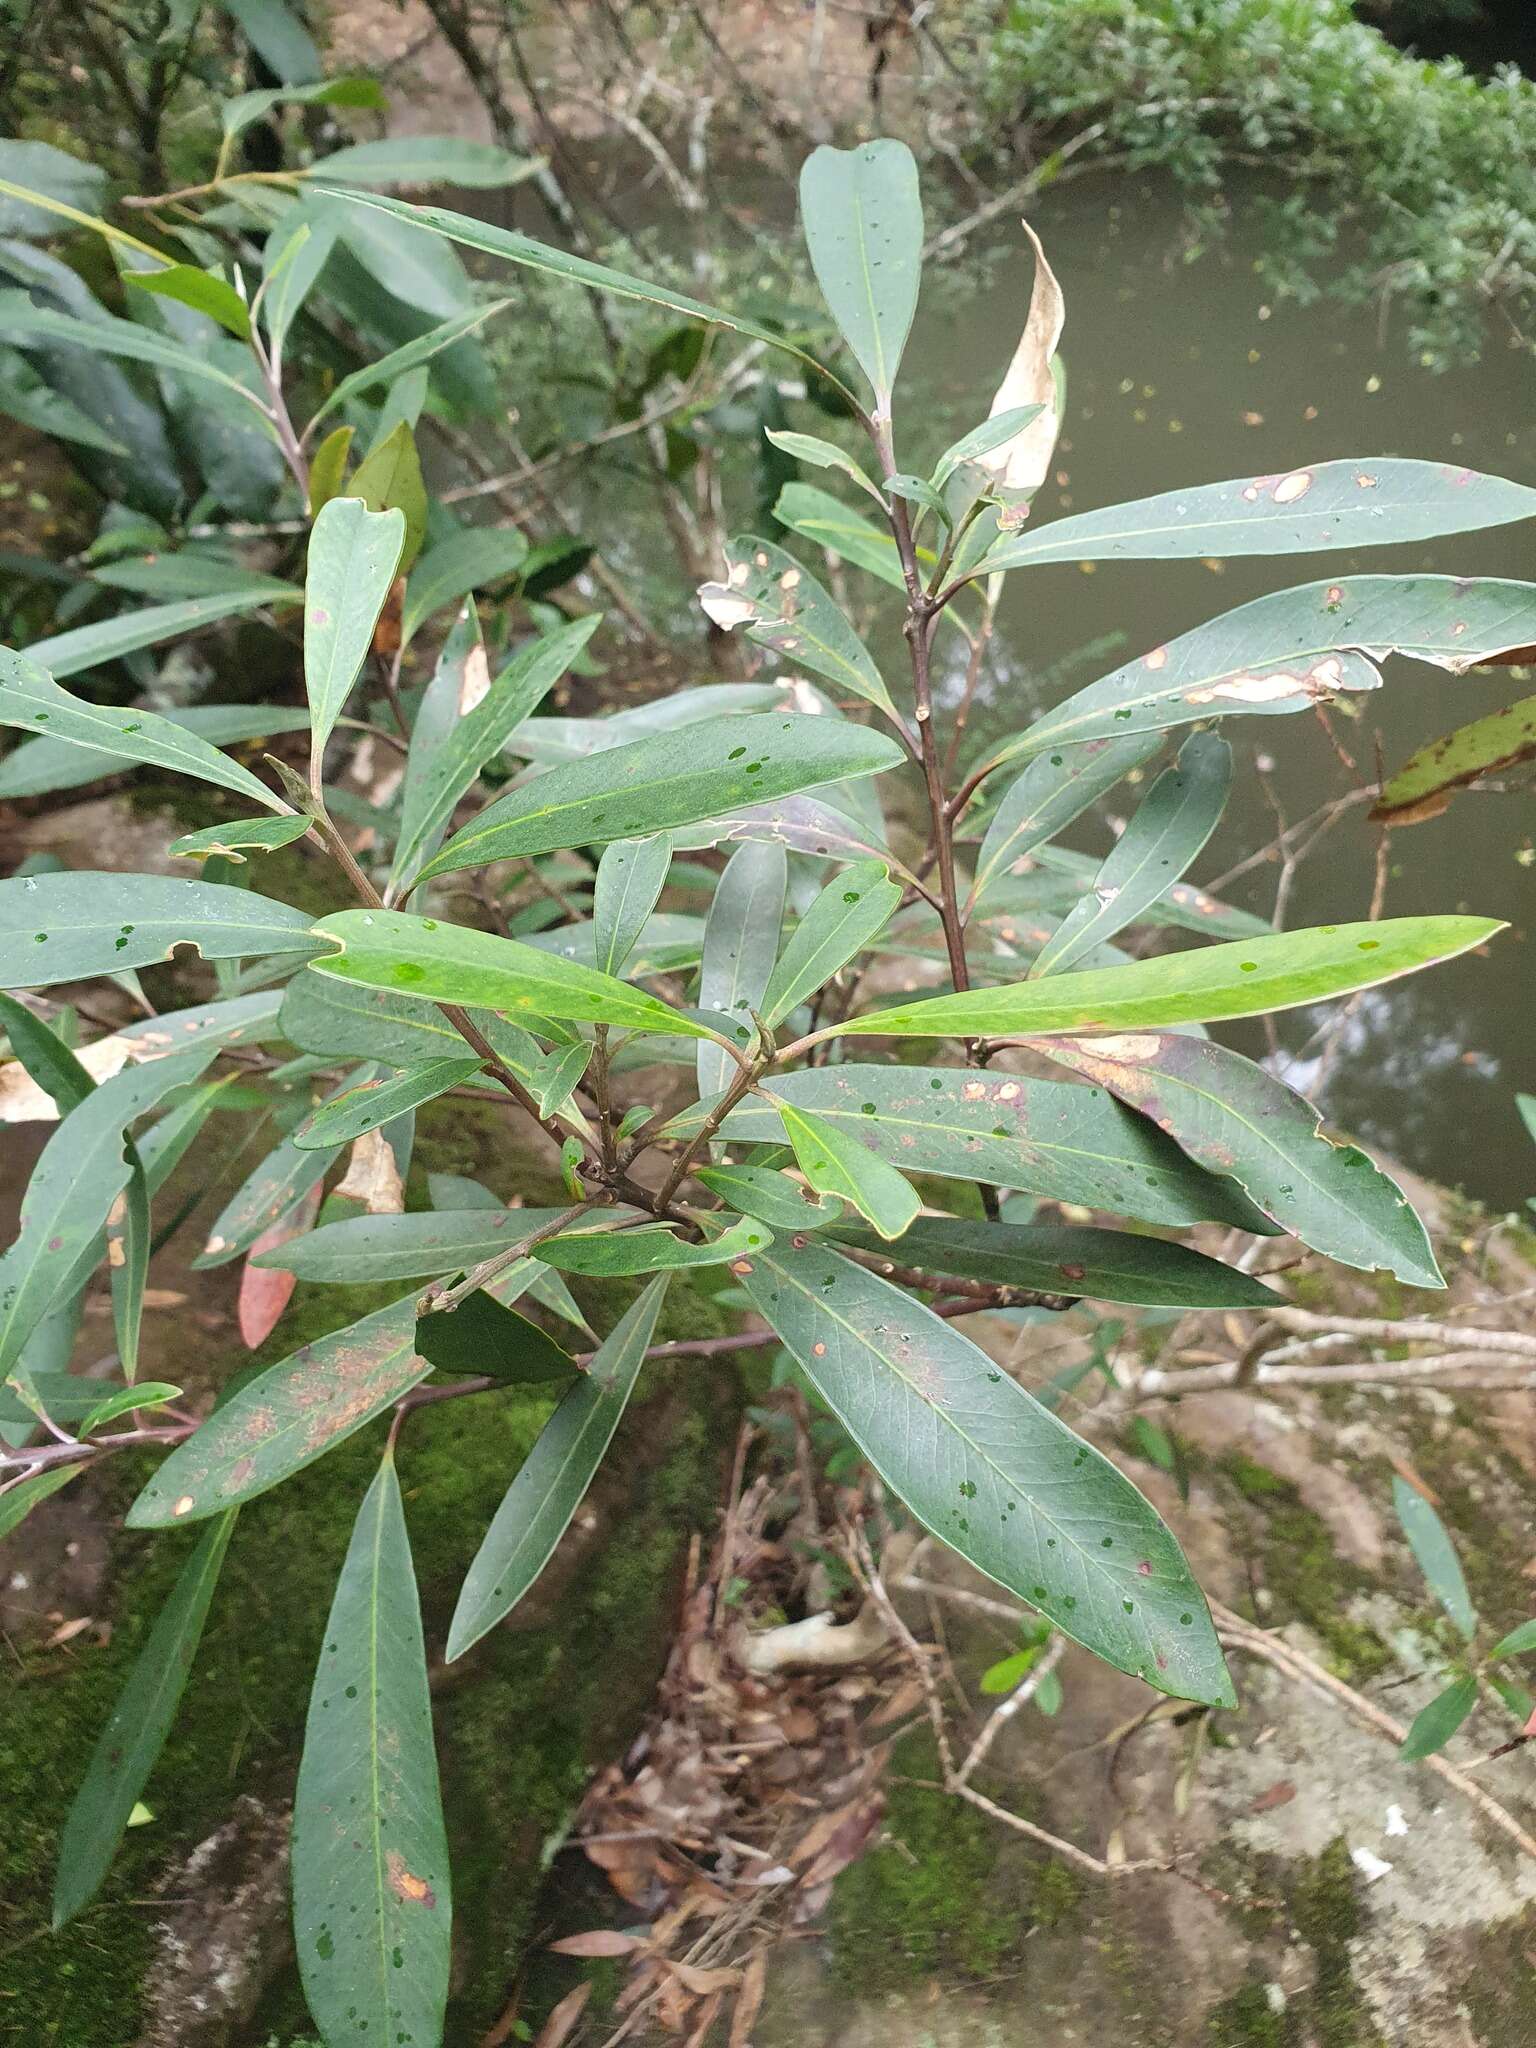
{"x":741,"y":943}
{"x":1434,"y":1725}
{"x":918,"y":491}
{"x":421,"y":1245}
{"x":403,"y":362}
{"x":38,"y":767}
{"x":837,"y":1163}
{"x":483,"y":1335}
{"x":285,"y":1418}
{"x":851,"y":911}
{"x":1430,"y":1542}
{"x":992,"y":433}
{"x":448,"y":963}
{"x":184,"y":572}
{"x":389,"y":479}
{"x":72,"y":925}
{"x":782,"y":1202}
{"x":553,"y":740}
{"x":630,"y":878}
{"x":1516,"y":1643}
{"x":467,"y":561}
{"x":353,"y":557}
{"x":31,"y":700}
{"x":1053,"y":790}
{"x":1290,"y":650}
{"x":242,"y":108}
{"x":1335,"y":505}
{"x":554,"y":1477}
{"x":202,"y":290}
{"x":335,"y":1019}
{"x":992,"y":1472}
{"x":1048,"y":1138}
{"x":1182,"y":907}
{"x":649,"y":1248}
{"x":819,"y":517}
{"x":83,"y":647}
{"x":47,"y":1059}
{"x":135,"y":1732}
{"x":1423,"y":786}
{"x":822,"y":455}
{"x":465,"y":721}
{"x":426,"y":160}
{"x":1237,"y":1120}
{"x":371,"y":1103}
{"x":863,"y":222}
{"x":675,"y":778}
{"x":1103,"y":1265}
{"x":296,"y":253}
{"x":241,"y":838}
{"x":27,"y":325}
{"x":372,"y":1917}
{"x":1165,"y":833}
{"x":328,"y":469}
{"x":783,"y":607}
{"x":19,"y":1499}
{"x":1208,"y":983}
{"x":558,"y":1077}
{"x":124,"y":1400}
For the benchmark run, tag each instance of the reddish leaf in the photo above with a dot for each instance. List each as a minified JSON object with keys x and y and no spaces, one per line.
{"x":264,"y":1291}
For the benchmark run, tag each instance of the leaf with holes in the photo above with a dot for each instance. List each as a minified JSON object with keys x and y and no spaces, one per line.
{"x":70,"y":926}
{"x":783,"y":607}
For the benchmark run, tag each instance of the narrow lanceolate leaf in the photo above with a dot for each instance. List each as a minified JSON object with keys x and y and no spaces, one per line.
{"x":389,"y":949}
{"x":417,"y":1246}
{"x":285,"y":1418}
{"x":817,"y":516}
{"x":71,"y":926}
{"x":993,"y":433}
{"x":1424,"y":785}
{"x":781,"y":1202}
{"x":31,"y":700}
{"x":37,"y":767}
{"x":555,"y":1475}
{"x":992,"y":1472}
{"x":863,"y":221}
{"x":836,"y":1163}
{"x":823,"y":455}
{"x":630,"y":878}
{"x":801,"y":824}
{"x":18,"y":1501}
{"x":83,"y":647}
{"x":1169,"y":827}
{"x":84,"y":1168}
{"x":136,"y":1729}
{"x":1288,"y":651}
{"x":1239,"y":1121}
{"x":269,"y":1191}
{"x":1104,"y":1265}
{"x":202,"y":290}
{"x":1048,"y":1138}
{"x":1244,"y":979}
{"x":1435,"y":1554}
{"x":651,"y":1248}
{"x":553,"y":740}
{"x":783,"y":607}
{"x":1053,"y":790}
{"x":31,"y":326}
{"x":1335,"y":505}
{"x":1434,"y":1725}
{"x":237,"y":841}
{"x":741,"y":940}
{"x":372,"y":1917}
{"x":558,"y":1075}
{"x":676,"y":778}
{"x":353,"y":555}
{"x":845,"y":918}
{"x":371,"y":1103}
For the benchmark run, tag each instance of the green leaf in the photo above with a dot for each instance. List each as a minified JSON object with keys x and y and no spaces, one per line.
{"x":47,"y":1059}
{"x":410,"y":356}
{"x":135,"y":1732}
{"x":1237,"y":1120}
{"x":558,"y":1077}
{"x":463,"y":724}
{"x":389,"y":479}
{"x":649,"y":1248}
{"x":18,"y":1501}
{"x":124,"y":1400}
{"x":332,"y":1019}
{"x":1102,"y":1265}
{"x":242,"y":108}
{"x":129,"y":1232}
{"x":372,"y":1917}
{"x":26,"y":325}
{"x":70,"y":926}
{"x":837,"y":1164}
{"x":83,"y":647}
{"x":54,"y":174}
{"x":918,"y":491}
{"x":328,"y":470}
{"x":741,"y":943}
{"x":992,"y":1472}
{"x":819,"y":517}
{"x":245,"y":835}
{"x":630,"y":878}
{"x":467,"y":561}
{"x":1244,"y":979}
{"x":1336,"y":505}
{"x":846,"y":917}
{"x":426,"y":160}
{"x":268,"y":1192}
{"x":185,"y":573}
{"x":39,"y":767}
{"x":781,"y":1202}
{"x":802,"y":824}
{"x":481,"y":1335}
{"x":1435,"y":1554}
{"x":32,"y":700}
{"x":823,"y":455}
{"x":1516,"y":1643}
{"x":285,"y":1418}
{"x":295,"y":254}
{"x":1434,"y":1725}
{"x":28,"y":397}
{"x":1052,"y":791}
{"x":422,"y":1245}
{"x":202,"y":290}
{"x":278,"y":36}
{"x":555,"y":1475}
{"x":1166,"y":832}
{"x":1423,"y":786}
{"x":353,"y":560}
{"x":863,"y":222}
{"x":675,"y":778}
{"x":448,"y":963}
{"x":783,"y":607}
{"x":553,"y":740}
{"x":1064,"y":1143}
{"x":363,"y":1108}
{"x":992,"y":433}
{"x":1290,"y":650}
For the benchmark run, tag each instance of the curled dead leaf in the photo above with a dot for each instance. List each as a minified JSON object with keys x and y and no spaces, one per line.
{"x":1022,"y":463}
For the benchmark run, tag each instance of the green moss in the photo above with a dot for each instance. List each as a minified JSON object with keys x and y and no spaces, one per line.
{"x":1499,"y":1994}
{"x":1056,"y":1893}
{"x":1326,"y":1914}
{"x":1248,"y":2020}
